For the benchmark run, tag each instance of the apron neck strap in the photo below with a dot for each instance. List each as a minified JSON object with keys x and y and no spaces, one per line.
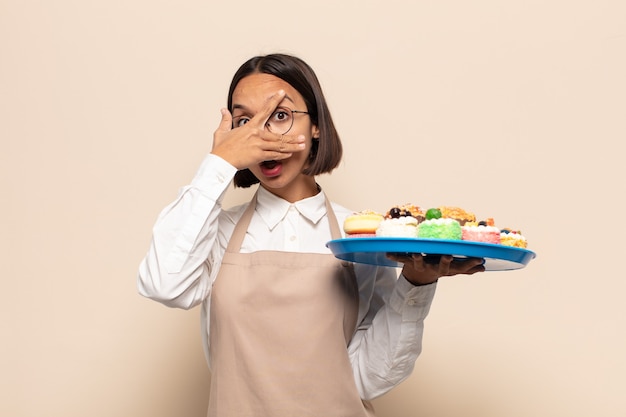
{"x":335,"y":232}
{"x":234,"y":244}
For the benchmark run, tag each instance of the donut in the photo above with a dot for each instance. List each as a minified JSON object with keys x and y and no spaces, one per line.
{"x":362,"y":224}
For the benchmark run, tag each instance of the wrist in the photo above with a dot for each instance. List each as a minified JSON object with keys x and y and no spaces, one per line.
{"x":419,"y":283}
{"x":417,"y":279}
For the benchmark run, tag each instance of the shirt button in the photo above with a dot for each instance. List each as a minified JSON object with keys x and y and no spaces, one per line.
{"x":292,"y":238}
{"x":412,"y":302}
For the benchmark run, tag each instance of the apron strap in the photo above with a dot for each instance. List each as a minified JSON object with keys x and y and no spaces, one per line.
{"x":335,"y":232}
{"x":234,"y":244}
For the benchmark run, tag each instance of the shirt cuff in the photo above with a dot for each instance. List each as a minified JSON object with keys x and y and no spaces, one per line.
{"x":412,"y":302}
{"x":213,"y":177}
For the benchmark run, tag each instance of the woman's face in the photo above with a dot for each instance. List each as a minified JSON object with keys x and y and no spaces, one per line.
{"x":283,"y":178}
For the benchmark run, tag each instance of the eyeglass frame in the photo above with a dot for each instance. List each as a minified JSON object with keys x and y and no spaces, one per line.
{"x":267,"y":124}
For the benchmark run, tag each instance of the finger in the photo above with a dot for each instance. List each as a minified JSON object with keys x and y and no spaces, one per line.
{"x":271,"y":103}
{"x":404,"y":258}
{"x":289,"y":144}
{"x":477,"y":265}
{"x":444,"y":264}
{"x":415,"y":261}
{"x":281,"y":143}
{"x":226,"y":124}
{"x":470,"y":262}
{"x":419,"y":262}
{"x":467,"y":261}
{"x":280,"y":146}
{"x":477,"y":268}
{"x":431,"y":259}
{"x":400,"y":256}
{"x":467,"y":266}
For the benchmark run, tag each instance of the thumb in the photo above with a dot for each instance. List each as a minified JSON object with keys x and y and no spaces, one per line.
{"x":226,"y":124}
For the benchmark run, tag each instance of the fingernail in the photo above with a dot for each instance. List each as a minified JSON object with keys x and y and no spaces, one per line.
{"x":301,"y":145}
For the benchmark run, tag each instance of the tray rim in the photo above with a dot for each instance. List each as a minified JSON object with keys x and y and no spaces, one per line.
{"x":373,"y":250}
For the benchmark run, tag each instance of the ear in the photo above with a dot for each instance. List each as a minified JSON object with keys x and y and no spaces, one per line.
{"x":315,"y":132}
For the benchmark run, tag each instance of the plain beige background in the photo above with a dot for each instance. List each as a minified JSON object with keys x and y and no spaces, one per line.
{"x":515,"y":110}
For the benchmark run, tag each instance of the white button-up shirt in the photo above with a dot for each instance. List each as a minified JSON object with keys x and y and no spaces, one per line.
{"x":190,"y":237}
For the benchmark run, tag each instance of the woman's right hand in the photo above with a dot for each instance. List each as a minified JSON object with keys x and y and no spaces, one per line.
{"x":252,"y":143}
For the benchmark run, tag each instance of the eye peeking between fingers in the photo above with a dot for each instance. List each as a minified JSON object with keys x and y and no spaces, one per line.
{"x":280,"y":121}
{"x":239,"y":121}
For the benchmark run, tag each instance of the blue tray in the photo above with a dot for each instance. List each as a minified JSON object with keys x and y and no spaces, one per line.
{"x":373,"y":251}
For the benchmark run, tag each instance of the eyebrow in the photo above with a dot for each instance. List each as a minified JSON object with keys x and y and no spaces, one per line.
{"x":244,"y":108}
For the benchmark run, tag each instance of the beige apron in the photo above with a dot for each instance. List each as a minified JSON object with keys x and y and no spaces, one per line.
{"x":280,"y":324}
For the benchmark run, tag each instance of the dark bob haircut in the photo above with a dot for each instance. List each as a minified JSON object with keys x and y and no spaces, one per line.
{"x":326,"y":152}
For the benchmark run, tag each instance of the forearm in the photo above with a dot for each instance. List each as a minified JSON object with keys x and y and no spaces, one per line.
{"x":175,"y":270}
{"x":383,"y":354}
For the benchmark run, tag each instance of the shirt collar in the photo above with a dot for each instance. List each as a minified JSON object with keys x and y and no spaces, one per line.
{"x":273,"y":209}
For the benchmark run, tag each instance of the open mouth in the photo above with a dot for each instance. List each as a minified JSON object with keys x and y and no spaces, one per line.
{"x":269,"y":164}
{"x":271,"y":168}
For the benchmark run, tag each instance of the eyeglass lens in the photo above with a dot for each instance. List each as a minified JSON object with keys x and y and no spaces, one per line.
{"x":280,"y":121}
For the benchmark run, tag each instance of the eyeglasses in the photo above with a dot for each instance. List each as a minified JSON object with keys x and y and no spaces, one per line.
{"x":280,"y":122}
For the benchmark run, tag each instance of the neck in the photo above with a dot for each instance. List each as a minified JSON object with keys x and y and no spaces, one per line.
{"x":296,"y":192}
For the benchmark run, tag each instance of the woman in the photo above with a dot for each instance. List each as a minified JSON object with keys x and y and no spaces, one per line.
{"x":289,"y":330}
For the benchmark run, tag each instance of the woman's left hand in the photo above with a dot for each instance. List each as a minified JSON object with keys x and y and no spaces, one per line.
{"x":425,"y":269}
